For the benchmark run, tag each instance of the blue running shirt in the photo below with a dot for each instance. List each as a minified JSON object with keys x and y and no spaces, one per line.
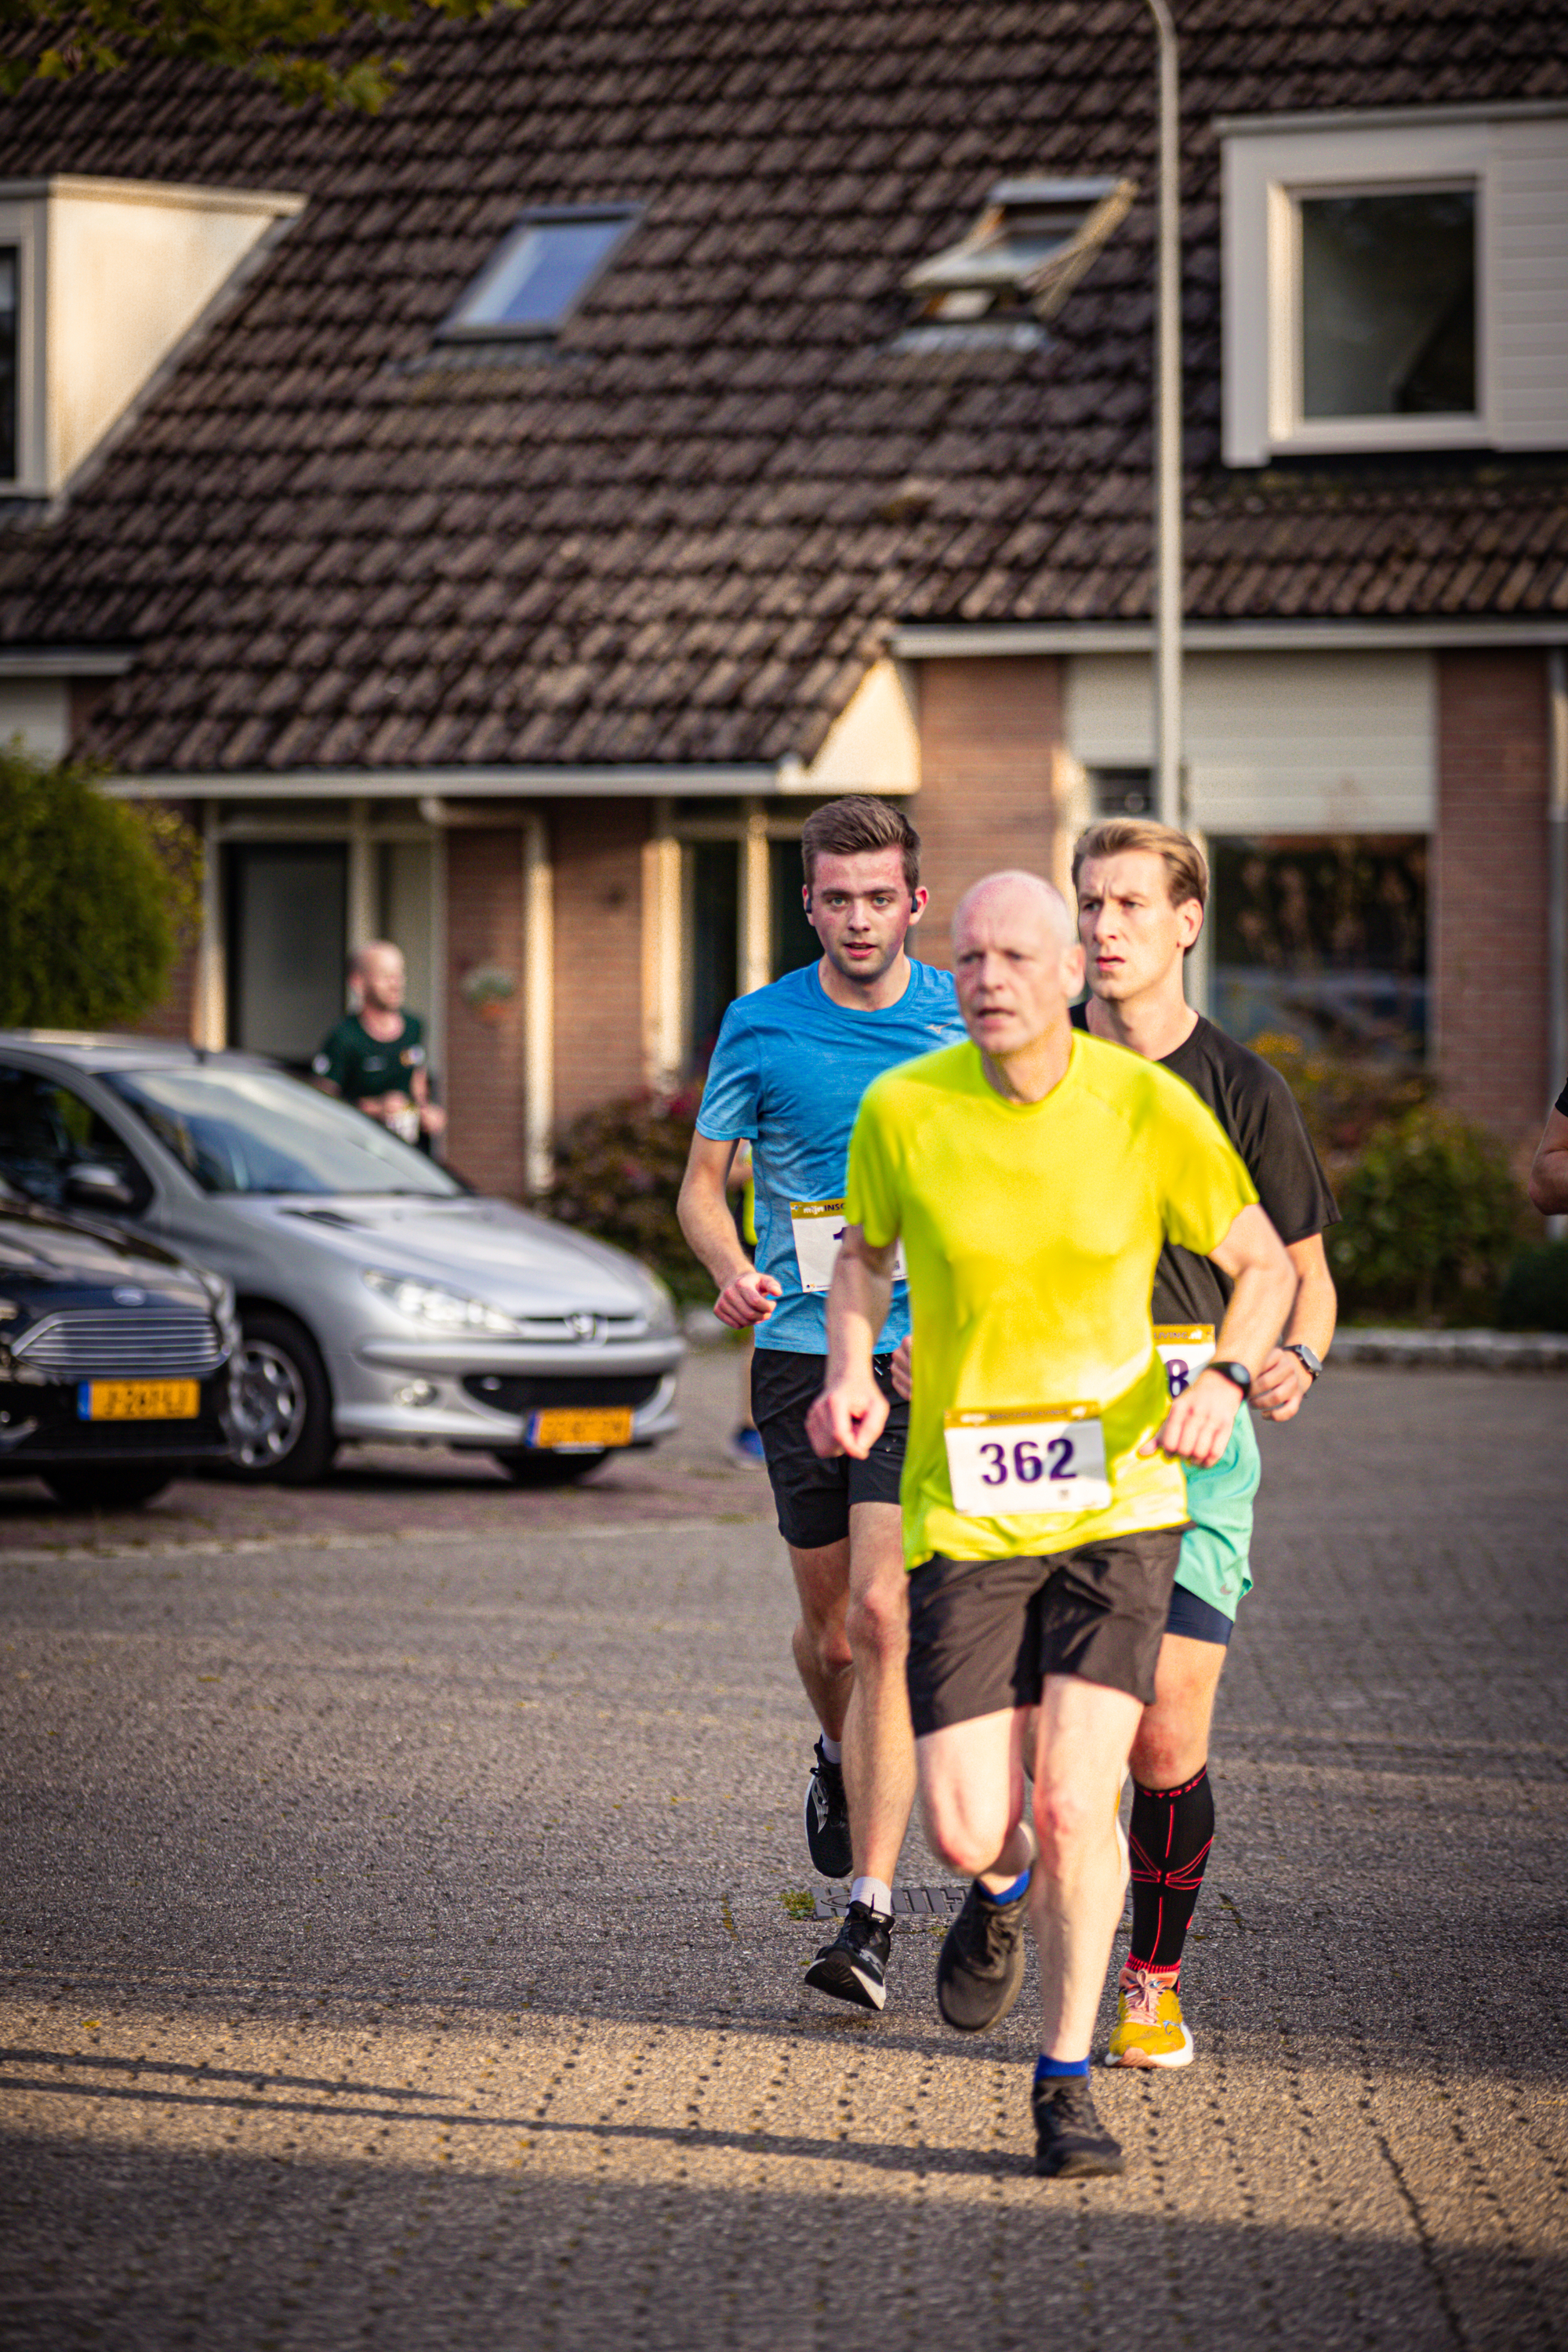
{"x":788,"y":1073}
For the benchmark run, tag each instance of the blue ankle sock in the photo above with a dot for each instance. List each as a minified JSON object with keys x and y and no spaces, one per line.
{"x":1054,"y":2070}
{"x":1006,"y":1894}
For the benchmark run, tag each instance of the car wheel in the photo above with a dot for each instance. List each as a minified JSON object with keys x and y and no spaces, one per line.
{"x":113,"y":1487}
{"x":548,"y":1466}
{"x":281,"y":1407}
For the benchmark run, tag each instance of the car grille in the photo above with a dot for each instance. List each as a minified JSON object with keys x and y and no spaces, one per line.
{"x":152,"y":1345}
{"x":530,"y":1391}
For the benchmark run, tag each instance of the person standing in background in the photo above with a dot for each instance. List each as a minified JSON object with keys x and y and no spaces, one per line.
{"x":375,"y":1058}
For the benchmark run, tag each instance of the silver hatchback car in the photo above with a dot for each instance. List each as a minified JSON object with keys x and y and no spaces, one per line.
{"x":380,"y":1300}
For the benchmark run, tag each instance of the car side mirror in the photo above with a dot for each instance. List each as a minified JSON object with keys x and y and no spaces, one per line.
{"x":89,"y":1185}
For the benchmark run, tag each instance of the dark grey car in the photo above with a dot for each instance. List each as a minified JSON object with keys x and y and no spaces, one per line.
{"x":379,"y":1300}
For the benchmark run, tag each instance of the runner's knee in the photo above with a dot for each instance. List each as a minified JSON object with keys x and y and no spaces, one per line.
{"x":1068,"y":1820}
{"x":824,"y":1642}
{"x":967,"y":1836}
{"x":878,"y":1626}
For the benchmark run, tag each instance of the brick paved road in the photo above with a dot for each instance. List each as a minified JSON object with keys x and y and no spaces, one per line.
{"x":396,"y":1939}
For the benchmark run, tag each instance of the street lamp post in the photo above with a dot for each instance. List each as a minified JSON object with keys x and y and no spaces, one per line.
{"x":1168,"y":437}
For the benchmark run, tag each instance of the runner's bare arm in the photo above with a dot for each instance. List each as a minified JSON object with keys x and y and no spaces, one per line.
{"x":745,"y":1297}
{"x":1284,"y":1381}
{"x":1198,"y":1427}
{"x":1549,"y":1170}
{"x":851,"y":1412}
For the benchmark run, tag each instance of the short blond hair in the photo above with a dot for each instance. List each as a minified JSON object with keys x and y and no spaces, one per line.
{"x":1186,"y":867}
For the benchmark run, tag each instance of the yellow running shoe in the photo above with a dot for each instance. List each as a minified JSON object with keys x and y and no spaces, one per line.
{"x":1149,"y":2029}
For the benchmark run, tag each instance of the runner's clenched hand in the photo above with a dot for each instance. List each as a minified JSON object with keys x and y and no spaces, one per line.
{"x":1278,"y":1390}
{"x":847,"y":1418}
{"x":904,"y":1367}
{"x":747,"y":1299}
{"x":1198,"y":1427}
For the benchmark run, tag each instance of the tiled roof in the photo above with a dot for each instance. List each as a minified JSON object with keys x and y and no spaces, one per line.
{"x":682,"y":535}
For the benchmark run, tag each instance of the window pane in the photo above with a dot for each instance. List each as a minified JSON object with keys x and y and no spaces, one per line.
{"x":1122,"y":791}
{"x":1324,"y":940}
{"x":1388,"y":304}
{"x":8,"y":295}
{"x":793,"y":940}
{"x":47,"y":1131}
{"x":535,"y":280}
{"x":713,"y":941}
{"x":258,"y":1132}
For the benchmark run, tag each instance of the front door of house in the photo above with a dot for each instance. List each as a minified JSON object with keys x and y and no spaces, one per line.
{"x":287,"y":941}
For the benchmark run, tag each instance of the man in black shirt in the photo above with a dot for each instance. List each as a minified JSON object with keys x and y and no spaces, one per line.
{"x":1141,"y":891}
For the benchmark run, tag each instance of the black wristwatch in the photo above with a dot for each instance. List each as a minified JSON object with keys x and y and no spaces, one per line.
{"x":1309,"y":1356}
{"x":1237,"y":1374}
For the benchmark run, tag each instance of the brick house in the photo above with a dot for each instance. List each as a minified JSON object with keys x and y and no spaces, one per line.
{"x":498,"y":523}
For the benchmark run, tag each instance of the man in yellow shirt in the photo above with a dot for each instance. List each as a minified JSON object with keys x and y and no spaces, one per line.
{"x":1032,"y":1176}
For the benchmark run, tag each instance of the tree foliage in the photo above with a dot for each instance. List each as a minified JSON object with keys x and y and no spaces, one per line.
{"x":98,"y":897}
{"x":280,"y":42}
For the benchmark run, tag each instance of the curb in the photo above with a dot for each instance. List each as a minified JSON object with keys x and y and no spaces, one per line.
{"x":1487,"y":1351}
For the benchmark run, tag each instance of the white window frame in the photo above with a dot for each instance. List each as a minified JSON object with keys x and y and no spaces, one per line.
{"x":1265,"y":177}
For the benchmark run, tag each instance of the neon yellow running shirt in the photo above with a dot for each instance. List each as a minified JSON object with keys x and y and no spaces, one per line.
{"x":1031,"y":1232}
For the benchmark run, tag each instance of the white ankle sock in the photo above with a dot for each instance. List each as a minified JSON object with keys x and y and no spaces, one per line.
{"x":833,"y":1749}
{"x":874,"y":1894}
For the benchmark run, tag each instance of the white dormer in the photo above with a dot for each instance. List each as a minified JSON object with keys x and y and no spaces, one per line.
{"x":1396,"y":281}
{"x":99,"y":279}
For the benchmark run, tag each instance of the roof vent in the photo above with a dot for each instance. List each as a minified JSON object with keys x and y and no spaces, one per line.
{"x":1032,"y":243}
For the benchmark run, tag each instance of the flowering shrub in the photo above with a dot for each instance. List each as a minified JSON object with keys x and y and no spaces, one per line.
{"x":618,"y":1172}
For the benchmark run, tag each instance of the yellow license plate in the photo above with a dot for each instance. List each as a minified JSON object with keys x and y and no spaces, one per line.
{"x":600,"y":1425}
{"x":139,"y":1400}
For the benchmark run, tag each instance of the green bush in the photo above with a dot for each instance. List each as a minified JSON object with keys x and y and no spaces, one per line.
{"x":617,"y":1174}
{"x":1342,"y":1101}
{"x":95,"y":899}
{"x":1534,"y":1295}
{"x":1433,"y":1215}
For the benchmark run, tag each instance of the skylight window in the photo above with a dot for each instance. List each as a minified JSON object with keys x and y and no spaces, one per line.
{"x":541,"y":274}
{"x":1030,"y":245}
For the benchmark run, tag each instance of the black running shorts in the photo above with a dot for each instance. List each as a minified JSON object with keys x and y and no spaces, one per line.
{"x":812,"y":1499}
{"x":984,"y":1633}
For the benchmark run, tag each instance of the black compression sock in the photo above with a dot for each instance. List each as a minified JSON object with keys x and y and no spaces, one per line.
{"x":1171,"y":1831}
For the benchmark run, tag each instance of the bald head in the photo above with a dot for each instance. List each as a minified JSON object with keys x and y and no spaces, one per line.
{"x":1018,"y":965}
{"x":376,"y":972}
{"x":1028,"y":897}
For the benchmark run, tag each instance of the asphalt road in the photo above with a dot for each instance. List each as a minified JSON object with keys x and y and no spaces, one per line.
{"x":400,"y":1935}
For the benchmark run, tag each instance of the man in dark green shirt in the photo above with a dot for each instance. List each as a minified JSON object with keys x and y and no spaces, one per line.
{"x":375,"y":1057}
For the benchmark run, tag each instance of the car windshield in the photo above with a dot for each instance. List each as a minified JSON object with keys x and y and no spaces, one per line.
{"x":259,"y":1131}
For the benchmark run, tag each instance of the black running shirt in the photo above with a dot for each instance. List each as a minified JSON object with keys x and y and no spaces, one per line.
{"x":1258,"y":1111}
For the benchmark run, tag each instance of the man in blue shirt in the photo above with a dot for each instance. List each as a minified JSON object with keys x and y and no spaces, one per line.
{"x":791,"y":1064}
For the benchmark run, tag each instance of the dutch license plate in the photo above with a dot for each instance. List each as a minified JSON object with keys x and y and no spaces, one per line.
{"x":138,"y":1400}
{"x":598,"y":1424}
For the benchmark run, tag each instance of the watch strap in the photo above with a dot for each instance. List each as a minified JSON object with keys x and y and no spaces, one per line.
{"x":1237,"y":1374}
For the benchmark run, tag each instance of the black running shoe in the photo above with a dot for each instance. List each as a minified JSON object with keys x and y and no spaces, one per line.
{"x":854,"y":1967}
{"x":981,"y":1965}
{"x":1070,"y":2141}
{"x":827,"y":1820}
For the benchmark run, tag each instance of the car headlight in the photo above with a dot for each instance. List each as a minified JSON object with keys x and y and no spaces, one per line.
{"x":661,"y":1314}
{"x":432,"y":1303}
